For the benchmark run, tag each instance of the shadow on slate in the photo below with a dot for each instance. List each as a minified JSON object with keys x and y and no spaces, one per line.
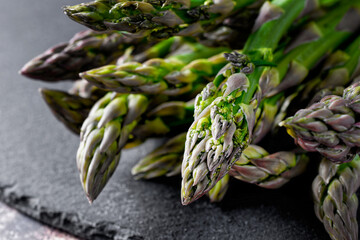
{"x":38,"y":173}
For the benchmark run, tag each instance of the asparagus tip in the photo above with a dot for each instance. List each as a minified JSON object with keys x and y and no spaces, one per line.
{"x":282,"y":124}
{"x":26,"y":71}
{"x":22,"y":71}
{"x":135,"y":171}
{"x":82,"y":75}
{"x":186,"y":200}
{"x":90,"y":199}
{"x":66,"y":9}
{"x":44,"y":92}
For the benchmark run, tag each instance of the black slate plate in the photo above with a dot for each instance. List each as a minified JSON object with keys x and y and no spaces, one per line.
{"x":38,"y":175}
{"x":16,"y":226}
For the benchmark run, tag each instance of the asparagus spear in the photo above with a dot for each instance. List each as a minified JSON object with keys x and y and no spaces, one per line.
{"x":337,"y":71}
{"x":170,"y":76}
{"x":162,"y":120}
{"x":341,"y":67}
{"x":265,"y":116}
{"x":165,"y":160}
{"x":122,"y":120}
{"x":336,"y":203}
{"x":301,"y":48}
{"x":160,"y":19}
{"x":266,"y":170}
{"x":159,"y":50}
{"x":225,"y":110}
{"x":89,"y":49}
{"x":109,"y":129}
{"x":84,"y":89}
{"x":72,"y":108}
{"x":103,"y":134}
{"x":168,"y":117}
{"x":352,"y":95}
{"x":86,"y":50}
{"x":254,"y":166}
{"x":217,"y":193}
{"x":329,"y":127}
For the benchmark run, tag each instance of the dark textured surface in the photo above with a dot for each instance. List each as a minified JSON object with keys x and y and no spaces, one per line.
{"x":38,"y":174}
{"x":16,"y":226}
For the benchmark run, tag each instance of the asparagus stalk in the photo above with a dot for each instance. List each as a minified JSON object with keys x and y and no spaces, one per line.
{"x":89,"y":49}
{"x":165,"y":160}
{"x":86,"y":50}
{"x":123,"y":120}
{"x":72,"y":108}
{"x":103,"y":134}
{"x":255,"y":166}
{"x":159,"y":50}
{"x":84,"y":89}
{"x":337,"y":71}
{"x":112,"y":122}
{"x":171,"y":76}
{"x":168,"y":117}
{"x":162,"y":120}
{"x":329,"y":127}
{"x":225,"y":110}
{"x":341,"y":67}
{"x":217,"y":193}
{"x":292,"y":64}
{"x":161,"y":20}
{"x":265,"y":116}
{"x":266,"y":170}
{"x":233,"y":31}
{"x":336,"y":203}
{"x":203,"y":164}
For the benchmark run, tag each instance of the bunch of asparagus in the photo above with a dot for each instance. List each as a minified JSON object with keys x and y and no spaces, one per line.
{"x":173,"y":69}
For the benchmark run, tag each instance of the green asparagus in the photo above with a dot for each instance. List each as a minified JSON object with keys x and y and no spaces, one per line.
{"x":225,"y":110}
{"x":84,"y":89}
{"x":266,"y":170}
{"x":336,"y":203}
{"x":337,"y":71}
{"x":352,"y":95}
{"x":86,"y":50}
{"x":217,"y":193}
{"x":265,"y":116}
{"x":254,"y":166}
{"x":103,"y":134}
{"x":233,"y":31}
{"x":72,"y":108}
{"x":165,"y":160}
{"x":157,"y":18}
{"x":297,"y":53}
{"x":169,"y":117}
{"x":171,"y":76}
{"x":123,"y":120}
{"x":329,"y":127}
